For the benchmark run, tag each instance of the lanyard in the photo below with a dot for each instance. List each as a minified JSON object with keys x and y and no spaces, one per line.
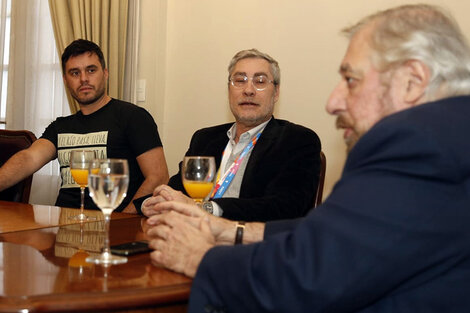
{"x":223,"y":183}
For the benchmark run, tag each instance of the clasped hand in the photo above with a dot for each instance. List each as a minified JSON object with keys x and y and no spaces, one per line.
{"x":179,"y":241}
{"x":180,"y":231}
{"x":161,"y":194}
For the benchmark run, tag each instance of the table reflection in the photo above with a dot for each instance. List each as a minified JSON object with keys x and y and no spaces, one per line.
{"x":58,"y":254}
{"x":87,"y":237}
{"x":42,"y":264}
{"x":78,"y":269}
{"x":15,"y":216}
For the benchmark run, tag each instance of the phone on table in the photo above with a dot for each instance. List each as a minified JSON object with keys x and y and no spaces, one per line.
{"x":131,"y":248}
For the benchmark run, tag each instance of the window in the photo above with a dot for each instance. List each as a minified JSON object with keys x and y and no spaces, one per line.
{"x":36,"y":94}
{"x":5,"y":13}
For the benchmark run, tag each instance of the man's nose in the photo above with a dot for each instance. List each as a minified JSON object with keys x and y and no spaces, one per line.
{"x":249,"y":89}
{"x":336,"y":101}
{"x":83,"y":76}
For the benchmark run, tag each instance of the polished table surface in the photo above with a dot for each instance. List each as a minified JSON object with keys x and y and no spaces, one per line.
{"x":17,"y":216}
{"x":42,"y":267}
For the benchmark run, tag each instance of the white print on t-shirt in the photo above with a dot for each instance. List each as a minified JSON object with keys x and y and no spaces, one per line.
{"x":67,"y":142}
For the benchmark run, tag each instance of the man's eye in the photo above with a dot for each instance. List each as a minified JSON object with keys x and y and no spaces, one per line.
{"x":350,"y":81}
{"x":91,"y":70}
{"x":260,"y":79}
{"x":74,"y":73}
{"x":239,"y":79}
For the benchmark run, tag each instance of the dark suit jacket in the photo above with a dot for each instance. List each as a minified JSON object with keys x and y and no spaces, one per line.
{"x":281,"y":176}
{"x":393,"y":236}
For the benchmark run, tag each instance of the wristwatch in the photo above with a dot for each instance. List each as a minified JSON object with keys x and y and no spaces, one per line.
{"x":208,"y":207}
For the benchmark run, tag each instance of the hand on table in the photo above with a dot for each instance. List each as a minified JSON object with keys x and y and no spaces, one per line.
{"x":163,"y":193}
{"x":182,"y":233}
{"x":222,"y":229}
{"x":180,"y":241}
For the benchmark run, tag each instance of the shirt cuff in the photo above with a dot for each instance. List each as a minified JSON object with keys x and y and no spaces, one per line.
{"x":217,"y":209}
{"x":139,"y":203}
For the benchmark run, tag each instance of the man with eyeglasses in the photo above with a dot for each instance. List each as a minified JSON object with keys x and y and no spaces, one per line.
{"x":277,"y":177}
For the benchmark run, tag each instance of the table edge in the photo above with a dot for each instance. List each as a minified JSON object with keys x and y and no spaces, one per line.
{"x":92,"y":301}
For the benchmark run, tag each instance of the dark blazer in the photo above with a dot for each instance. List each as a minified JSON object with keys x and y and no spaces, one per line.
{"x":393,"y":236}
{"x":281,"y":176}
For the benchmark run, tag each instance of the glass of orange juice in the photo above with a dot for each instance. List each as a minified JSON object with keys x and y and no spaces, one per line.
{"x":198,"y":173}
{"x":79,"y":163}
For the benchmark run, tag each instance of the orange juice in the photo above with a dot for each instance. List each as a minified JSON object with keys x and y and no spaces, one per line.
{"x":79,"y":259}
{"x":80,"y":176}
{"x":197,"y":190}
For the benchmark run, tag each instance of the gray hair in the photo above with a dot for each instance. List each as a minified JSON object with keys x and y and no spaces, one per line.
{"x":254,"y":53}
{"x":425,"y":33}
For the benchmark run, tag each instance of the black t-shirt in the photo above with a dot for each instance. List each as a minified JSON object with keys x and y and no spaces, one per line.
{"x":117,"y":130}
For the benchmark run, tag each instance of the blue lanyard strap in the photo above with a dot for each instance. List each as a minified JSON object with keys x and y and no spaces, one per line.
{"x":225,"y":181}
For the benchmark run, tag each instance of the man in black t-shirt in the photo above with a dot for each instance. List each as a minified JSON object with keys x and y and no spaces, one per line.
{"x":112,"y":128}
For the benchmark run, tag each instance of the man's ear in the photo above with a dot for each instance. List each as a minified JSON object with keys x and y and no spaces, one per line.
{"x":276,"y":93}
{"x":417,"y":80}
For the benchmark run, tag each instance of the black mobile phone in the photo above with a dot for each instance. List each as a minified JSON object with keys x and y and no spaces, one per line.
{"x":131,"y":248}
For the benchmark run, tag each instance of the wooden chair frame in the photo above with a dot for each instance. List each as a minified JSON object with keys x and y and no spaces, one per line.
{"x":12,"y":141}
{"x":321,"y":180}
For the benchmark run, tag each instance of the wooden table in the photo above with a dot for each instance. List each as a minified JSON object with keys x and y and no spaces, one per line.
{"x":42,"y":266}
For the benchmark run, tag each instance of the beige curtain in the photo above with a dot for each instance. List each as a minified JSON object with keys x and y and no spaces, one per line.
{"x":101,"y":21}
{"x":36,"y":94}
{"x":132,"y":52}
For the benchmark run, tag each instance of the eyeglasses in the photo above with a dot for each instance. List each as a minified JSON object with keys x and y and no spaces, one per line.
{"x":260,"y":82}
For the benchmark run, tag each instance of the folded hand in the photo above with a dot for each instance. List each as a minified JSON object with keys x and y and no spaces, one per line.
{"x":180,"y":241}
{"x":222,"y":229}
{"x":161,"y":194}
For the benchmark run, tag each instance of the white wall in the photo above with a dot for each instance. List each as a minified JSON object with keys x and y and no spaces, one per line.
{"x":186,"y":46}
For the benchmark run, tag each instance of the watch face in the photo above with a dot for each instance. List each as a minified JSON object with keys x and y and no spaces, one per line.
{"x":207,"y":206}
